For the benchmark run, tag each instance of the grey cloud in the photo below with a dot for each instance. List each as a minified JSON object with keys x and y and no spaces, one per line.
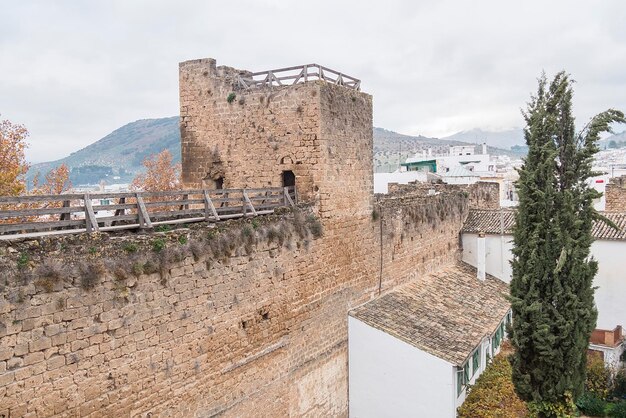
{"x":72,"y":71}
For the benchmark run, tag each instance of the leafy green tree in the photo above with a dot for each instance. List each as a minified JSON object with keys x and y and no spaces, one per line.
{"x":551,"y":286}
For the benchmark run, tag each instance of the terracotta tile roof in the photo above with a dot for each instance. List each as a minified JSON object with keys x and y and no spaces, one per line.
{"x":446,"y":313}
{"x":502,"y":221}
{"x":490,"y":221}
{"x":601,"y":230}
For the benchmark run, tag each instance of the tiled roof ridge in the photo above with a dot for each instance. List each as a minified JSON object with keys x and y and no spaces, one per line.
{"x":501,"y":221}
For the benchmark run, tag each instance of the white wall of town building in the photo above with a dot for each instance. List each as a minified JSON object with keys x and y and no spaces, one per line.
{"x":611,"y":277}
{"x":390,"y":378}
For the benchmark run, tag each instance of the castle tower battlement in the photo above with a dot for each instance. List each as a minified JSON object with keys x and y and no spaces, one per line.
{"x":312,"y":126}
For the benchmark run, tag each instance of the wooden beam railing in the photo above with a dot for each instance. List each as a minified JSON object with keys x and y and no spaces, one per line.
{"x":299,"y":74}
{"x":34,"y":216}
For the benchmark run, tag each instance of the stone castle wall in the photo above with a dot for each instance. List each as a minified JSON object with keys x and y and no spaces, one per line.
{"x":615,"y":195}
{"x":209,"y":327}
{"x":262,"y":333}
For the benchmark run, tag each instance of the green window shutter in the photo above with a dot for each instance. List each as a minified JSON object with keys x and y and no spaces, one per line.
{"x":475,"y":361}
{"x":466,"y":373}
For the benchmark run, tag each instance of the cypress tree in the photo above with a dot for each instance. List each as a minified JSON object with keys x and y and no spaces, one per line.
{"x":551,"y":286}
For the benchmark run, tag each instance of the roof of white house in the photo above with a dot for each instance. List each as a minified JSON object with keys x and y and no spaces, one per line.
{"x":446,"y":313}
{"x":501,"y":221}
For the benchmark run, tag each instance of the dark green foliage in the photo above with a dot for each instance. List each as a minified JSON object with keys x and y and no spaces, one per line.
{"x":590,"y":404}
{"x":598,"y":379}
{"x":619,"y":383}
{"x":182,"y":240}
{"x":130,"y":247}
{"x":619,"y":410}
{"x":23,"y":261}
{"x":163,"y":228}
{"x":551,"y":286}
{"x":375,"y":215}
{"x":158,"y":244}
{"x":231,"y":97}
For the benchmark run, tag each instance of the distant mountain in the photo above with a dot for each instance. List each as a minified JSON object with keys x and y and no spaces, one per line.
{"x":118,"y":157}
{"x":392,"y":148}
{"x":617,"y":140}
{"x":503,"y":139}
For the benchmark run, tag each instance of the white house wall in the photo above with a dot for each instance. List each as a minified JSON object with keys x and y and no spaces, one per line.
{"x":498,"y":254}
{"x":390,"y":378}
{"x":610,"y":280}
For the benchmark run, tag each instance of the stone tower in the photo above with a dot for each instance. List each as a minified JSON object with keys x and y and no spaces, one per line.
{"x":238,"y":134}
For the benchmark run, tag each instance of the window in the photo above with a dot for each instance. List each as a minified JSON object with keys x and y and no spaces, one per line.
{"x":466,"y":373}
{"x":459,"y":381}
{"x":475,"y":361}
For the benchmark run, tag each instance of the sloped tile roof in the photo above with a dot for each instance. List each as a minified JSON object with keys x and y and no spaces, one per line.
{"x":601,"y":230}
{"x":498,"y":221}
{"x":446,"y":313}
{"x":502,"y":221}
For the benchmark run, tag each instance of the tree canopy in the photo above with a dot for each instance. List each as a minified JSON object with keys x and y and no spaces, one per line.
{"x":13,"y":164}
{"x":161,"y":174}
{"x":551,"y":288}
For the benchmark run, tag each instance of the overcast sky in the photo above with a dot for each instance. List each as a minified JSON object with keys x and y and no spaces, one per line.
{"x":73,"y":71}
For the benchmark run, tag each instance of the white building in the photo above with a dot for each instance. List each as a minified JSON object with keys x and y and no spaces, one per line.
{"x":457,"y":156}
{"x":414,"y":350}
{"x":609,"y":249}
{"x":382,"y":180}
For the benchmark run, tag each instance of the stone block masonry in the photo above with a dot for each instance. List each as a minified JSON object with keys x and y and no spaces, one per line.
{"x":255,"y":334}
{"x":248,"y":322}
{"x":615,"y":195}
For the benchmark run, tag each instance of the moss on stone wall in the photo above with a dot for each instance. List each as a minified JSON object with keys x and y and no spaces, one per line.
{"x":51,"y":263}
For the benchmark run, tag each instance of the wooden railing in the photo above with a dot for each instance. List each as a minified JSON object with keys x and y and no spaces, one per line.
{"x":300,"y":74}
{"x":34,"y":216}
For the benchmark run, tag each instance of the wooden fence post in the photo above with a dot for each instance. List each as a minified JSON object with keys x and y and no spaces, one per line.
{"x":208,"y":206}
{"x":247,"y":201}
{"x":91,"y":224}
{"x":65,"y":216}
{"x":287,"y":197}
{"x":142,"y":212}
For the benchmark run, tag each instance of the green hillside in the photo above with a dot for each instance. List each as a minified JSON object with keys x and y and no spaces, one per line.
{"x":119,"y":154}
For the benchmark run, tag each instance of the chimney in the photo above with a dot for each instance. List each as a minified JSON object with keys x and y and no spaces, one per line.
{"x":484,"y":148}
{"x":480,"y":256}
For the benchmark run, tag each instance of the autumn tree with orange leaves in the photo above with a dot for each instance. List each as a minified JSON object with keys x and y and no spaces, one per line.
{"x":13,"y":164}
{"x":161,"y":174}
{"x":57,"y":181}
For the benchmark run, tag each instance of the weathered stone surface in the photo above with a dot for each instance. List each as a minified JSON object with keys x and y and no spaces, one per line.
{"x":615,"y":195}
{"x":254,"y":334}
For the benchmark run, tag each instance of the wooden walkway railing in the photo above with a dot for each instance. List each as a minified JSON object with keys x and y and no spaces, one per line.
{"x":35,"y":216}
{"x":299,"y":74}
